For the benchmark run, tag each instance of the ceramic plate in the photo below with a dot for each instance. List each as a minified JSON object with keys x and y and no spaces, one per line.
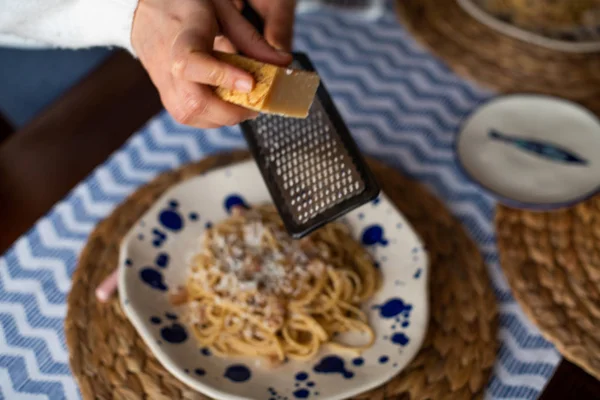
{"x":532,"y":151}
{"x":153,"y":260}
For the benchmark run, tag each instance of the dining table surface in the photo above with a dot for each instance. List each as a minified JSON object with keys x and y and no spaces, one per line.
{"x":43,"y":161}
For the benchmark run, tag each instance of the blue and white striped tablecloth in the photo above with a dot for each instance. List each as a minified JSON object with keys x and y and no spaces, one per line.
{"x":401,"y":104}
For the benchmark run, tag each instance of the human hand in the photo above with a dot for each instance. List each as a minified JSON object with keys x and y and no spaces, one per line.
{"x":278,"y":16}
{"x":174,"y":41}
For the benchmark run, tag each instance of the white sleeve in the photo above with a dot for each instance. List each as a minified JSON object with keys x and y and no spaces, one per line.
{"x":66,"y":23}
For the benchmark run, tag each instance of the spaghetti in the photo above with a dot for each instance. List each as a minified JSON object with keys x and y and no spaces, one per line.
{"x":252,"y":291}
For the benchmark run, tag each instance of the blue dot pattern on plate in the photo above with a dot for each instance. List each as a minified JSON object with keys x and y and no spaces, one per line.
{"x":374,"y":234}
{"x":238,"y":373}
{"x":234,"y":200}
{"x":170,"y":218}
{"x":304,"y":386}
{"x":275,"y":395}
{"x":173,"y":332}
{"x":417,"y":274}
{"x":333,"y":365}
{"x":546,"y":150}
{"x":128,"y":262}
{"x":158,"y":237}
{"x":383,"y":359}
{"x":301,"y":376}
{"x":400,"y":311}
{"x":400,"y":339}
{"x":358,"y":361}
{"x":393,"y":307}
{"x":302,"y":393}
{"x":153,"y":278}
{"x":171,"y":316}
{"x":162,"y":260}
{"x":205,"y":351}
{"x":200,"y":372}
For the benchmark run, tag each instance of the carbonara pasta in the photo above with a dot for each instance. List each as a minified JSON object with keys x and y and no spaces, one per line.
{"x":253,"y":291}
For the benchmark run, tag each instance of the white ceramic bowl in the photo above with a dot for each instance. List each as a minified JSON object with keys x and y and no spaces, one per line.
{"x":153,"y":260}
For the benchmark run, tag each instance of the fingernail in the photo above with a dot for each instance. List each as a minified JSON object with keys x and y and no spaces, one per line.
{"x":242,"y":85}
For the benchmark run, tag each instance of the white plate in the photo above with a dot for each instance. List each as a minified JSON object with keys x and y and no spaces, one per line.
{"x":154,"y":258}
{"x":532,"y":151}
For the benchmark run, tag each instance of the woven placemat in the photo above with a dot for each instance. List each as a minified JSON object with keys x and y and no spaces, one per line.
{"x":552,"y":263}
{"x":496,"y":60}
{"x":109,"y":359}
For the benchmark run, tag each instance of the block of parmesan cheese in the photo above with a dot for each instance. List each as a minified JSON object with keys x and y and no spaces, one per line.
{"x":283,"y":91}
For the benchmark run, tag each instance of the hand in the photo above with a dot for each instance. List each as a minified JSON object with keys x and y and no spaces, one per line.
{"x":174,"y":41}
{"x":279,"y":21}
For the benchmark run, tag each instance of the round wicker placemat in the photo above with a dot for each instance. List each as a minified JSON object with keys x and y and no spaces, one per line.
{"x":552,"y":263}
{"x":109,"y":359}
{"x":496,"y":60}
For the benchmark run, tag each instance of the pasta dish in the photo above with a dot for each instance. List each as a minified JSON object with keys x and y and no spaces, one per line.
{"x":253,"y":291}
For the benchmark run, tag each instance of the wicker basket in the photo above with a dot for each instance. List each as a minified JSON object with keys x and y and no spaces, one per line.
{"x":570,"y":20}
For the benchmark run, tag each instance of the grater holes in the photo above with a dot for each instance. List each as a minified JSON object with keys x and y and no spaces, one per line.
{"x":310,"y":166}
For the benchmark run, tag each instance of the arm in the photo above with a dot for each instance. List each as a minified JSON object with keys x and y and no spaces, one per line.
{"x":173,"y":39}
{"x":66,"y":23}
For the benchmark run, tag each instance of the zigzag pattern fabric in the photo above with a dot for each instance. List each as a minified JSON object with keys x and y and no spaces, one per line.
{"x":402,"y":105}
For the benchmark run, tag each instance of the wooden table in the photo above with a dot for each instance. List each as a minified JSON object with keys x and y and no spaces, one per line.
{"x":47,"y":158}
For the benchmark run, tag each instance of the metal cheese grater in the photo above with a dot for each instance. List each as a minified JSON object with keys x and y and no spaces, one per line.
{"x":312,"y":167}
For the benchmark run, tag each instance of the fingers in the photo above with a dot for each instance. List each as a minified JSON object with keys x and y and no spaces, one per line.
{"x":239,"y":4}
{"x":196,"y":105}
{"x":224,"y":45}
{"x":192,"y":61}
{"x":175,"y":42}
{"x":195,"y":72}
{"x":243,"y":35}
{"x":205,"y":69}
{"x":279,"y":24}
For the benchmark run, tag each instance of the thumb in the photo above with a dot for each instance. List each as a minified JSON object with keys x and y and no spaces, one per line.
{"x":279,"y":24}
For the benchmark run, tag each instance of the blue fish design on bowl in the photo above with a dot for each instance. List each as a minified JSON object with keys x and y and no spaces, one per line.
{"x":543,"y":149}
